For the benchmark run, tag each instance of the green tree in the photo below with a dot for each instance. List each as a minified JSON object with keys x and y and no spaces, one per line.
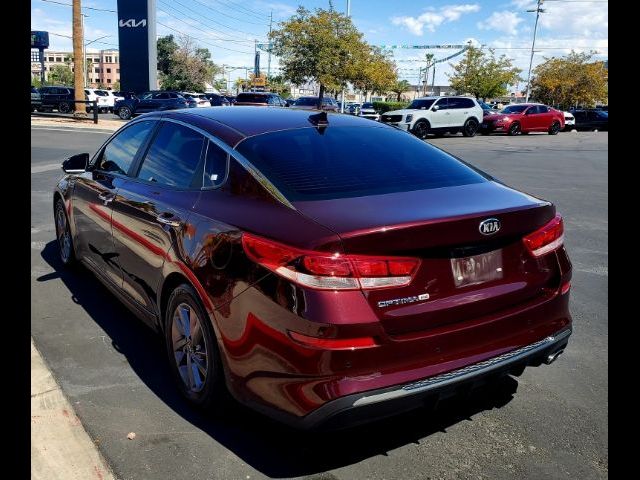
{"x":321,"y":47}
{"x":375,"y":71}
{"x":570,"y":81}
{"x":116,"y":86}
{"x":400,"y":87}
{"x":182,"y":66}
{"x":61,"y":75}
{"x":483,"y":75}
{"x":279,"y":85}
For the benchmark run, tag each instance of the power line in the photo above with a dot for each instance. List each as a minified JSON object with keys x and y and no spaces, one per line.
{"x":243,"y":8}
{"x":200,"y":40}
{"x":84,"y":8}
{"x":68,"y":36}
{"x":215,"y":21}
{"x":227,"y":15}
{"x":199,"y":22}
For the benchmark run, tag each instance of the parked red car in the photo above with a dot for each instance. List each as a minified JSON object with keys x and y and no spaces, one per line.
{"x":524,"y":118}
{"x":313,"y":281}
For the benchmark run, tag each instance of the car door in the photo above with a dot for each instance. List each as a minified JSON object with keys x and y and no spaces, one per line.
{"x":150,"y":102}
{"x":457,"y":111}
{"x":94,"y":192}
{"x":594,"y":120}
{"x":440,"y":117}
{"x":151,"y":210}
{"x":544,"y":118}
{"x":529,"y":119}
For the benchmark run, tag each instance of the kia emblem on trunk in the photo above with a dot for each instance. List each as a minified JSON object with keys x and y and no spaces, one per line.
{"x":489,"y":226}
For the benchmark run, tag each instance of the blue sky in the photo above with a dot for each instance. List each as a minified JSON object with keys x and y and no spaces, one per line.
{"x":228,"y":28}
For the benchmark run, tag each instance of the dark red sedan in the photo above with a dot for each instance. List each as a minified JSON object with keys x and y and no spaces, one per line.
{"x":524,"y":118}
{"x":316,"y":282}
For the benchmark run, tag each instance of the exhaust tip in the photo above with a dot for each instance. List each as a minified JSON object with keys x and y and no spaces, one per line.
{"x":553,"y":357}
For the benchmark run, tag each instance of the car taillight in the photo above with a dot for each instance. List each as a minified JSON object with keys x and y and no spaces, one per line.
{"x":546,"y":239}
{"x":329,"y":271}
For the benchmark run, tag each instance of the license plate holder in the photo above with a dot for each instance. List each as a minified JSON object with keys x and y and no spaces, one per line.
{"x":476,"y":269}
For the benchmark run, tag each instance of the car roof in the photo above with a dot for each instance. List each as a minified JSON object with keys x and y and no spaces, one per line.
{"x":248,"y":121}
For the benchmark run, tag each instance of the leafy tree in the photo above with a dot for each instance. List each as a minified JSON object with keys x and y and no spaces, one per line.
{"x":220,"y":84}
{"x":61,"y":75}
{"x":240,"y":84}
{"x":570,"y":81}
{"x":321,"y":47}
{"x":483,"y":75}
{"x":279,"y":85}
{"x":116,"y":87}
{"x":375,"y":71}
{"x":400,"y":87}
{"x":182,"y":66}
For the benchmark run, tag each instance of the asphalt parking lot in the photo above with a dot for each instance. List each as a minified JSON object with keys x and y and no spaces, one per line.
{"x":549,"y":423}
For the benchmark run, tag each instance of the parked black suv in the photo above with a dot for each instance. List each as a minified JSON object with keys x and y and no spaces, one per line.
{"x":591,"y":119}
{"x":150,"y":102}
{"x":36,"y":99}
{"x":57,"y":97}
{"x":217,"y":100}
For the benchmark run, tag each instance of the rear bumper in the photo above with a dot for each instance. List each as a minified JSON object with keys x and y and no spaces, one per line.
{"x":366,"y":406}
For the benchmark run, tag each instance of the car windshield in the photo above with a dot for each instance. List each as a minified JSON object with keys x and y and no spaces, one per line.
{"x":251,"y":98}
{"x":419,"y":104}
{"x":307,"y":101}
{"x":367,"y":105}
{"x":515,"y":109}
{"x":313,"y":164}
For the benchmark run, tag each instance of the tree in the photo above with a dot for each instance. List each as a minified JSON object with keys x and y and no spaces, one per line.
{"x":61,"y":75}
{"x":279,"y":85}
{"x":322,"y":47}
{"x":482,"y":75}
{"x":78,"y":68}
{"x":116,"y":86}
{"x":374,"y":71}
{"x":400,"y":87}
{"x":240,"y":84}
{"x":182,"y":66}
{"x":570,"y":81}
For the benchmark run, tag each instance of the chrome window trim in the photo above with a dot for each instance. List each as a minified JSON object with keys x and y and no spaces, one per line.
{"x":246,"y":164}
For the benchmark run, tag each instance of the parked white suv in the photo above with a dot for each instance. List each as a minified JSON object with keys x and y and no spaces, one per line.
{"x":437,"y":115}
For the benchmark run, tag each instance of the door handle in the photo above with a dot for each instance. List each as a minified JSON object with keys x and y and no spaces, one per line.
{"x":107,"y":197}
{"x":169,"y":219}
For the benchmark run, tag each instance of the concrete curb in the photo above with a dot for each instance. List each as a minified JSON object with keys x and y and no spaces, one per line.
{"x":60,"y":446}
{"x":75,"y":127}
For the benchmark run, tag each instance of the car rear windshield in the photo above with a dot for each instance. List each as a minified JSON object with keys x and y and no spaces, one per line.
{"x":307,"y":101}
{"x":339,"y":162}
{"x":250,"y":98}
{"x":367,"y":105}
{"x":418,"y":104}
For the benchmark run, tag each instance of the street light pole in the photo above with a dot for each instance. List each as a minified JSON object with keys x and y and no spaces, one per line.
{"x":538,"y":11}
{"x":84,"y":57}
{"x":348,"y":15}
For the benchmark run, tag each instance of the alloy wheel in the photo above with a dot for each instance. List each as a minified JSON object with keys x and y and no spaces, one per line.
{"x":514,"y":129}
{"x":63,"y":233}
{"x":189,"y":347}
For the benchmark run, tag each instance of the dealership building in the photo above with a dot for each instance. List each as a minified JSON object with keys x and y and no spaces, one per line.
{"x":103,"y":67}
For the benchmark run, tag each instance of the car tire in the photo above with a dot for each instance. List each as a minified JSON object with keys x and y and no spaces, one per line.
{"x":554,"y":128}
{"x":64,"y":107}
{"x":421,"y":129}
{"x":470,"y":127}
{"x":514,"y":129}
{"x":192,"y":350}
{"x":63,"y":234}
{"x":124,"y":113}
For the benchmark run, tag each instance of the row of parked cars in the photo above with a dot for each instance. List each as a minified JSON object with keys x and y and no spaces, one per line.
{"x":62,"y":98}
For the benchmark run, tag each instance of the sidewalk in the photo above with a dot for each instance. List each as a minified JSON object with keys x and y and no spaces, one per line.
{"x":105,"y":125}
{"x":60,"y":447}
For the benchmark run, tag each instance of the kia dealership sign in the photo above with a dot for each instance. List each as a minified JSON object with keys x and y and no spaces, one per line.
{"x":137,"y":39}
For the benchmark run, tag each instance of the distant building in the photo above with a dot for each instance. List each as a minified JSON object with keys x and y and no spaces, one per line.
{"x":103,"y":67}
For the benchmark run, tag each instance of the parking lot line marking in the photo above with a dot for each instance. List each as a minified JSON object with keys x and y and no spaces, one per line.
{"x":46,"y":168}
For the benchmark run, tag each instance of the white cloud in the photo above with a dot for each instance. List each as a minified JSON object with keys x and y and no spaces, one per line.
{"x":505,"y":21}
{"x":434,"y":18}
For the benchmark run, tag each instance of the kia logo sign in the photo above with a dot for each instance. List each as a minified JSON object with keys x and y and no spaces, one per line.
{"x":132,"y":23}
{"x":489,"y":226}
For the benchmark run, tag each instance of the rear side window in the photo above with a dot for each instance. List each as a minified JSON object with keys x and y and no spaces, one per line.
{"x":174,"y":157}
{"x":311,"y":164}
{"x":215,"y":166}
{"x":119,"y":153}
{"x":543,"y":109}
{"x":461,"y":103}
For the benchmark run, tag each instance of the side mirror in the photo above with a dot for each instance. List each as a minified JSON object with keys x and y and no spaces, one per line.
{"x":435,"y":108}
{"x":76,"y":163}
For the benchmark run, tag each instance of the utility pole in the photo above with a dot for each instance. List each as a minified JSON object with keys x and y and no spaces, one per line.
{"x":342,"y":100}
{"x":430,"y":63}
{"x":538,"y":11}
{"x":433,"y":80}
{"x":78,"y":60}
{"x":269,"y":47}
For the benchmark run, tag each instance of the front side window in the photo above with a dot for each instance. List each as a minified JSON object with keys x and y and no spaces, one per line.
{"x":174,"y":156}
{"x":306,"y":101}
{"x":160,"y":96}
{"x":119,"y":153}
{"x":443,"y":104}
{"x":514,"y":109}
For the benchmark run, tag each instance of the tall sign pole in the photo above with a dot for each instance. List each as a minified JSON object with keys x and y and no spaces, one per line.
{"x":269,"y":58}
{"x":538,"y":11}
{"x":342,"y":102}
{"x":138,"y":45}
